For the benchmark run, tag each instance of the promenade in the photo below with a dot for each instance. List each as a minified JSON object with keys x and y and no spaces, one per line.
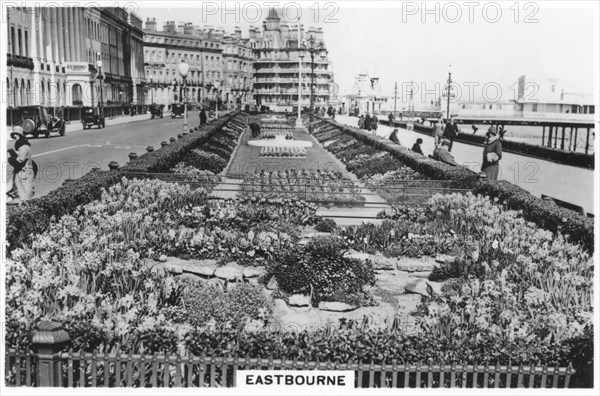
{"x":567,"y":183}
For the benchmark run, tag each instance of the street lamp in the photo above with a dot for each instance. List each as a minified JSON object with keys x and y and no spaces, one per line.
{"x":448,"y":93}
{"x":313,"y":48}
{"x":184,"y":68}
{"x":100,"y":77}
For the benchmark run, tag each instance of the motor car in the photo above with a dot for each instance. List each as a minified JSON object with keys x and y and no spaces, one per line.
{"x":156,"y":111}
{"x":36,"y":120}
{"x":90,"y":118}
{"x":177,"y":109}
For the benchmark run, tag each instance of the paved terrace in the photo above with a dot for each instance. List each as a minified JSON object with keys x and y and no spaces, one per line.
{"x":567,"y":183}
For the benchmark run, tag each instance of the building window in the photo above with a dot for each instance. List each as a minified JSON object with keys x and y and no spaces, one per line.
{"x":534,"y":107}
{"x":12,"y":40}
{"x":26,"y":44}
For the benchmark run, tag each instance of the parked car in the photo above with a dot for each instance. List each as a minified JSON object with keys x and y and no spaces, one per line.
{"x":156,"y":111}
{"x":90,"y":117}
{"x":35,"y":120}
{"x":177,"y":109}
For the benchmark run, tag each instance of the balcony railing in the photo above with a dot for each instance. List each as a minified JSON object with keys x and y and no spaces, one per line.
{"x":19,"y":61}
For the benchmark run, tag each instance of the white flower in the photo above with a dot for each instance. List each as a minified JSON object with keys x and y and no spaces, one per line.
{"x":495,"y":245}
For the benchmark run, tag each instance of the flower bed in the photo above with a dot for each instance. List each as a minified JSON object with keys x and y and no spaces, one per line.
{"x":283,"y":151}
{"x":312,"y":186}
{"x":513,"y":292}
{"x":271,"y":134}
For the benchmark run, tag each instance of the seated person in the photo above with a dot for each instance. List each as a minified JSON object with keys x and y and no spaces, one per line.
{"x":394,"y":136}
{"x":417,"y":146}
{"x":442,"y":153}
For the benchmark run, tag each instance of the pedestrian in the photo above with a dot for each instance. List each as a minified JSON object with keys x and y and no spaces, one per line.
{"x":20,"y":186}
{"x":438,"y":131}
{"x":417,"y":146}
{"x":333,"y":114}
{"x":361,"y":122}
{"x":368,"y":122}
{"x":443,"y":154}
{"x":450,"y":132}
{"x":203,"y":117}
{"x":330,"y":112}
{"x":492,"y":154}
{"x":394,"y":136}
{"x":391,"y":119}
{"x":374,"y":123}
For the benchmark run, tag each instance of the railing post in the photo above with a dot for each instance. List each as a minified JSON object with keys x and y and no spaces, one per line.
{"x":48,"y":340}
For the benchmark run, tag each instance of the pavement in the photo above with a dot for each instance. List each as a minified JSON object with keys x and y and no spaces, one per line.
{"x":73,"y":155}
{"x":563,"y":182}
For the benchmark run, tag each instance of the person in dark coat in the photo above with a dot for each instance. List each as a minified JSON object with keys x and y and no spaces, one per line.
{"x":417,"y":146}
{"x":368,"y":122}
{"x":442,"y":153}
{"x":492,"y":154}
{"x":361,"y":122}
{"x":255,"y":128}
{"x":450,"y":132}
{"x":203,"y":117}
{"x":374,"y":123}
{"x":394,"y":136}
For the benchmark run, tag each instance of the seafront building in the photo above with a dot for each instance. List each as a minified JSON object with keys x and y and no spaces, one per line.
{"x":52,"y":56}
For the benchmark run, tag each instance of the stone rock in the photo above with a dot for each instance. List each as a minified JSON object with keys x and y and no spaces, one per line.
{"x":252,"y":272}
{"x":336,"y":306}
{"x":409,"y":264}
{"x":253,"y":281}
{"x":162,"y":258}
{"x":174,"y":269}
{"x":303,"y":241}
{"x":421,"y":274}
{"x":419,"y":286}
{"x":206,"y":272}
{"x":299,"y":300}
{"x":191,"y":277}
{"x":272,"y":285}
{"x":216,"y":282}
{"x":310,"y":235}
{"x":229,"y":272}
{"x":444,"y":259}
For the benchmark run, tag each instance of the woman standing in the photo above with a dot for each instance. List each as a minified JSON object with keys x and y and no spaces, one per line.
{"x":492,"y":154}
{"x":23,"y":168}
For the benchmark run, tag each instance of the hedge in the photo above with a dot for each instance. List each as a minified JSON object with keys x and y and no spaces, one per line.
{"x":546,"y":215}
{"x":168,"y":156}
{"x":546,"y":153}
{"x":437,"y":170}
{"x":33,"y":217}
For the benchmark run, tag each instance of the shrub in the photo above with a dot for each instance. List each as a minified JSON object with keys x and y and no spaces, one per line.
{"x":231,"y":308}
{"x":326,"y":225}
{"x":322,"y":271}
{"x":204,"y":160}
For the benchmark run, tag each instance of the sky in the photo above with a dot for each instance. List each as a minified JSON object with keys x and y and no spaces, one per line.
{"x":413,"y":41}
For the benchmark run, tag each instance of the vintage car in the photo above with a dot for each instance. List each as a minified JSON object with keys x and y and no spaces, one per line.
{"x":177,"y":109}
{"x":90,"y":117}
{"x":156,"y":111}
{"x":35,"y":120}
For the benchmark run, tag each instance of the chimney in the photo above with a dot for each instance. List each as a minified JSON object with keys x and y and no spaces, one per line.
{"x":238,"y":32}
{"x":151,"y":25}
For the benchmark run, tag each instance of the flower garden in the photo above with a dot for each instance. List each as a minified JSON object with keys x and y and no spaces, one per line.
{"x":148,"y":265}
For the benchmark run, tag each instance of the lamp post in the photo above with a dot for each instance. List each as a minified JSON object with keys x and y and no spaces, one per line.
{"x":152,"y":91}
{"x":184,"y":68}
{"x":300,"y":58}
{"x":313,"y":48}
{"x":448,"y":93}
{"x":101,"y":77}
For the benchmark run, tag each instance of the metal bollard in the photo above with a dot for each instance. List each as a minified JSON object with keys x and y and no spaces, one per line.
{"x":132,"y":156}
{"x":179,"y":136}
{"x":113,"y":165}
{"x":163,"y":143}
{"x":172,"y":139}
{"x":149,"y":149}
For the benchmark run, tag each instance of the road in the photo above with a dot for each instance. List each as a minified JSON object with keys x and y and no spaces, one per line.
{"x":73,"y":155}
{"x":567,"y":183}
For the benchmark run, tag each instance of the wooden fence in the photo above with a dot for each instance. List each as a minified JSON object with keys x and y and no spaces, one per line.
{"x":81,"y":369}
